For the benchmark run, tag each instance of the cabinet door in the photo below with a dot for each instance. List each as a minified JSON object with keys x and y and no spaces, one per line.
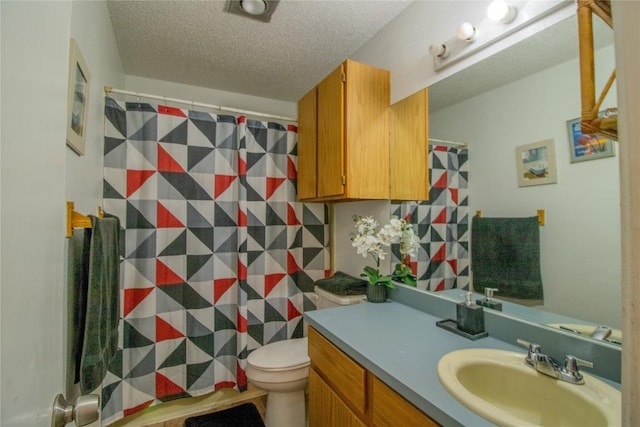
{"x":307,"y":144}
{"x":366,"y":131}
{"x":342,"y":372}
{"x":325,"y":407}
{"x":409,"y":148}
{"x":331,"y":134}
{"x":391,"y":409}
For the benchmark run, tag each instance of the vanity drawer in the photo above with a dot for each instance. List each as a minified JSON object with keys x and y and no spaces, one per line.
{"x":347,"y":377}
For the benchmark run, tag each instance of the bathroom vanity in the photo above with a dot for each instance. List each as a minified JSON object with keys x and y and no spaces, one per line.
{"x":369,"y":360}
{"x":343,"y":393}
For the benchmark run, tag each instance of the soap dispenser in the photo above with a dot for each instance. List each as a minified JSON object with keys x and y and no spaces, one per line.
{"x":487,"y":301}
{"x":470,"y":317}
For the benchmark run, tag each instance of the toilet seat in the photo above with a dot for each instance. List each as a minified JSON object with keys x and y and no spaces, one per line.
{"x":281,"y":356}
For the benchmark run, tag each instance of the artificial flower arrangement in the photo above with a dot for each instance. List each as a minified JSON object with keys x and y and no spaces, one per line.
{"x":369,"y":242}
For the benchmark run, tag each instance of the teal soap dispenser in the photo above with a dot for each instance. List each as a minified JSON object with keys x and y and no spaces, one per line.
{"x":469,"y":316}
{"x":488,"y":301}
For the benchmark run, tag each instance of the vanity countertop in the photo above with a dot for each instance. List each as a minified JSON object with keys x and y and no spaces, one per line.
{"x":402,"y":347}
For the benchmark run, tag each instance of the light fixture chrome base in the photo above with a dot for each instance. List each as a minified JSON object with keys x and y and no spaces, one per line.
{"x":236,"y":7}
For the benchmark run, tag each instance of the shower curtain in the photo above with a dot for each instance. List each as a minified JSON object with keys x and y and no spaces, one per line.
{"x":219,"y":257}
{"x":442,"y":222}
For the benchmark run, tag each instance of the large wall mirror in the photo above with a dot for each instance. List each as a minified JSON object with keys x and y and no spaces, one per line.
{"x":525,"y":94}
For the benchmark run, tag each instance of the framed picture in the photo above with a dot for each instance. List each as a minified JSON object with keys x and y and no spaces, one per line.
{"x":536,"y":163}
{"x":77,"y":99}
{"x":587,"y":147}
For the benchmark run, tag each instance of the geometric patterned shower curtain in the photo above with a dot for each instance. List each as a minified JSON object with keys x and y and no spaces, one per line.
{"x":219,"y":257}
{"x":442,"y":222}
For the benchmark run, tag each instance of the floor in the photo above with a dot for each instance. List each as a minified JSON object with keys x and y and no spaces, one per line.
{"x":174,"y":413}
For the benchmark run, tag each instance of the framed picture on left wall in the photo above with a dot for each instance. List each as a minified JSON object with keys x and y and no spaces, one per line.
{"x":77,"y":99}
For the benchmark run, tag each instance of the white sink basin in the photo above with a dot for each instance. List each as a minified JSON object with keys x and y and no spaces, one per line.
{"x":498,"y":386}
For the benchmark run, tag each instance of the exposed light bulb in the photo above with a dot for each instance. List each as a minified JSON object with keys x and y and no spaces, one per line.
{"x":501,"y":11}
{"x":439,"y":50}
{"x":466,"y":32}
{"x":254,"y":7}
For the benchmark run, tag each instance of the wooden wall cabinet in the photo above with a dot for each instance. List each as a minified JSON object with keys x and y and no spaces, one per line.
{"x":409,"y":148}
{"x":344,"y":394}
{"x":343,"y":136}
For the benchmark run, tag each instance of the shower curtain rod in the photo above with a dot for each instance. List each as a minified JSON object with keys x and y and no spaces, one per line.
{"x":108,"y":89}
{"x":451,"y":143}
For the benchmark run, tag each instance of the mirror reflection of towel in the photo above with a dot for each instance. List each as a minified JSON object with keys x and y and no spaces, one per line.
{"x":505,"y":254}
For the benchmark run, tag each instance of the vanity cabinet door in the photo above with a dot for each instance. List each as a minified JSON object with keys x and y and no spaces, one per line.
{"x":392,"y":410}
{"x":343,"y":394}
{"x":346,"y":376}
{"x":325,"y":407}
{"x":409,"y":148}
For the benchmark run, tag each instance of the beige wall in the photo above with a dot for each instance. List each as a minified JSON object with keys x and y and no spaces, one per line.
{"x":35,"y":45}
{"x":627,"y":38}
{"x":38,"y":174}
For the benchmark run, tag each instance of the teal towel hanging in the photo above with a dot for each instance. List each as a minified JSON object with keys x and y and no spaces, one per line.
{"x":505,"y":254}
{"x":103,"y":312}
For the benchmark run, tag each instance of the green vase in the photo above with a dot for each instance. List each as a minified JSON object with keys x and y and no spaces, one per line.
{"x":376,"y":293}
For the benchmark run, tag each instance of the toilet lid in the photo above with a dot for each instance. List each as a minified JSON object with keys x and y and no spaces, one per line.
{"x":281,"y":355}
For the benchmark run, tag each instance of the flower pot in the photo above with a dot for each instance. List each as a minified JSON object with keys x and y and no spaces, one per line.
{"x":376,"y":293}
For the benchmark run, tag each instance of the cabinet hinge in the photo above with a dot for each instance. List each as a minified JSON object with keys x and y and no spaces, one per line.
{"x":344,"y":180}
{"x":344,"y":77}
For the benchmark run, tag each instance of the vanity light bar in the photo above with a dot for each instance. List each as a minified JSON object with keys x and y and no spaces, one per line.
{"x":470,"y":38}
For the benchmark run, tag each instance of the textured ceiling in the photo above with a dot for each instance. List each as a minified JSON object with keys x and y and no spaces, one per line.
{"x":197,"y":43}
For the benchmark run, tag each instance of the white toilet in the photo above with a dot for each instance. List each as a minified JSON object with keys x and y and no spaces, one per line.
{"x":282,"y":369}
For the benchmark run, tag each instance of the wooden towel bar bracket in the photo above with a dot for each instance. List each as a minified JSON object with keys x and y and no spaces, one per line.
{"x":540,"y":215}
{"x":77,"y":220}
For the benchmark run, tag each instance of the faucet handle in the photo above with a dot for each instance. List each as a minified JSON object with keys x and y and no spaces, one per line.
{"x":571,"y":372}
{"x":571,"y":364}
{"x":533,"y":348}
{"x":601,"y":333}
{"x":534,"y":351}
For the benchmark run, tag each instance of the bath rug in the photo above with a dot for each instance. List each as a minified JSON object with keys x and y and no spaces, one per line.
{"x":245,"y":415}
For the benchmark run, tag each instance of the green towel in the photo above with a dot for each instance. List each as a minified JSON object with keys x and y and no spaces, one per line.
{"x":505,"y":254}
{"x":103,"y":312}
{"x":342,"y":284}
{"x":77,"y":283}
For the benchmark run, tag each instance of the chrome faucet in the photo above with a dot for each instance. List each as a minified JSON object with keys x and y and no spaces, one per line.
{"x":545,"y":364}
{"x":601,"y":333}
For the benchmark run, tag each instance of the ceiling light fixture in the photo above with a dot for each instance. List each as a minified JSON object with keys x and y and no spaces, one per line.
{"x":254,"y":7}
{"x":501,"y":11}
{"x":259,"y":10}
{"x":466,"y":32}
